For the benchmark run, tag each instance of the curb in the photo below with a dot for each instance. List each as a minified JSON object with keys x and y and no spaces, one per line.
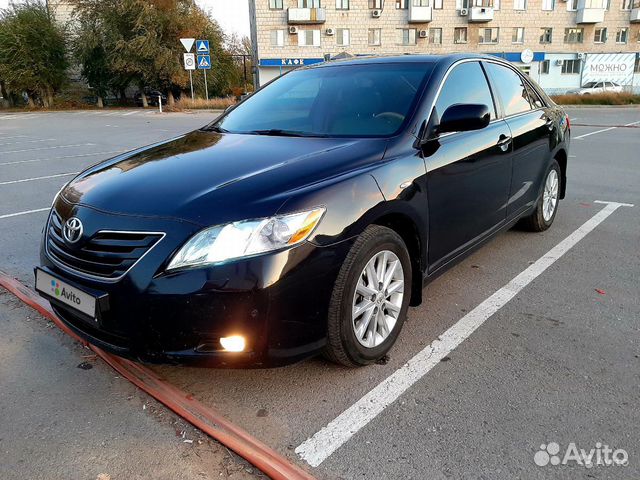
{"x":207,"y":420}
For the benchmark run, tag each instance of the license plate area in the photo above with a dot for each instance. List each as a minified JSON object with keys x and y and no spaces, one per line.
{"x":71,"y":296}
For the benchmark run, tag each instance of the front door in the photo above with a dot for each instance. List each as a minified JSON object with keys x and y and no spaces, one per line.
{"x":468,"y":173}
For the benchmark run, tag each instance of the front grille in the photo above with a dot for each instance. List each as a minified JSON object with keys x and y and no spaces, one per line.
{"x":107,"y":255}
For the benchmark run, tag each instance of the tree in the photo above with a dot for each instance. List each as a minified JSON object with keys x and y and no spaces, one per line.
{"x":32,"y":51}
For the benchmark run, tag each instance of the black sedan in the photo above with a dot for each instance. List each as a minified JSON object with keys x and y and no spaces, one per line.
{"x":309,"y":217}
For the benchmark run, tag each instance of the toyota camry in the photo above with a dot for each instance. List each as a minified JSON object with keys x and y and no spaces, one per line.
{"x":308,"y":218}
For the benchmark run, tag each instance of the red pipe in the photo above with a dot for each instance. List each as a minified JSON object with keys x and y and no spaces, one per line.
{"x":204,"y":418}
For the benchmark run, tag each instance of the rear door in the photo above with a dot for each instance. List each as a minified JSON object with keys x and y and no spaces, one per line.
{"x":531,"y":124}
{"x":468,"y":173}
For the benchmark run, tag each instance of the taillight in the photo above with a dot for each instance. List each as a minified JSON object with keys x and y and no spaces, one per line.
{"x":568,"y":122}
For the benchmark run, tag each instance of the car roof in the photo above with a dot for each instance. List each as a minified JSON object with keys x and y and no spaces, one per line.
{"x":407,"y":58}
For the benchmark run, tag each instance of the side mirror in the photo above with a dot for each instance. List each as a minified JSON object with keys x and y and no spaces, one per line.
{"x":464,"y":117}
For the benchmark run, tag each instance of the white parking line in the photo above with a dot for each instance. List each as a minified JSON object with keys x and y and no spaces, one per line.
{"x":10,"y":182}
{"x":51,"y":148}
{"x":606,"y":130}
{"x":21,"y":142}
{"x":129,"y":113}
{"x":16,"y":162}
{"x":17,"y":214}
{"x":321,"y":445}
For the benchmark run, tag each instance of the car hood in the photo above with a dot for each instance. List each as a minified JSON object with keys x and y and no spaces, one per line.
{"x":207,"y":178}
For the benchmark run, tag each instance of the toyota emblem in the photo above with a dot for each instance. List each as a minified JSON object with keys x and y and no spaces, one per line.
{"x":72,"y":230}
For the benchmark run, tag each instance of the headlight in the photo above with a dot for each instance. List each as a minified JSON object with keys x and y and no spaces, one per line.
{"x":246,"y":238}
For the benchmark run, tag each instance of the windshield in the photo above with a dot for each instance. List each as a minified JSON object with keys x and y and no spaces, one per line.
{"x":371,"y":100}
{"x":590,"y":85}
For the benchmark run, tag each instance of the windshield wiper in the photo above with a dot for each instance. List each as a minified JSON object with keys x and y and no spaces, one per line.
{"x":214,"y":128}
{"x":278,"y":132}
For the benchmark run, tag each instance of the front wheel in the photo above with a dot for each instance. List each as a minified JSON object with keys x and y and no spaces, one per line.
{"x":547,"y":206}
{"x":370,"y":298}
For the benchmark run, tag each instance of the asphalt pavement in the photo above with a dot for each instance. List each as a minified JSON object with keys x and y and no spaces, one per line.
{"x":557,"y":365}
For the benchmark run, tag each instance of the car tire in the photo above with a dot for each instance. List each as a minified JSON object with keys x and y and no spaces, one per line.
{"x":375,"y":247}
{"x":543,"y":215}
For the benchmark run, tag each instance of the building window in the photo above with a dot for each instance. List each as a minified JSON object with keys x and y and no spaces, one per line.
{"x":420,"y":3}
{"x":343,"y":37}
{"x":571,"y":67}
{"x":275,"y":4}
{"x":600,"y":35}
{"x":406,"y":36}
{"x":636,"y":69}
{"x":572,"y":5}
{"x":546,"y":35}
{"x":544,"y":67}
{"x":519,"y":4}
{"x":622,"y":35}
{"x":460,"y":35}
{"x":488,"y":35}
{"x":437,"y":4}
{"x":435,"y":36}
{"x":308,"y":3}
{"x":375,"y":36}
{"x":309,"y":38}
{"x":277,"y":38}
{"x":402,"y":4}
{"x":376,"y":4}
{"x":548,"y":5}
{"x":626,"y":4}
{"x":342,"y":4}
{"x":518,"y":35}
{"x":573,"y":35}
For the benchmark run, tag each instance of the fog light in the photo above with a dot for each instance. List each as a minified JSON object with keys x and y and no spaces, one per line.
{"x":234,"y":343}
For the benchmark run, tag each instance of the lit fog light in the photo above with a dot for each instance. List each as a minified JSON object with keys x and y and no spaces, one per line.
{"x":234,"y":343}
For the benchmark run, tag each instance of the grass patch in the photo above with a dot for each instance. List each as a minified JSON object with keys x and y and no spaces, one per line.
{"x":598,"y":99}
{"x":220,"y":103}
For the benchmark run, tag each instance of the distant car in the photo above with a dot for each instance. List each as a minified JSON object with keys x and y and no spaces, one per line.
{"x":599,"y":87}
{"x":152,"y":98}
{"x":307,"y":218}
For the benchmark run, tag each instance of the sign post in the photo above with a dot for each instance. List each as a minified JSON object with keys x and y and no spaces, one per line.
{"x":189,"y":59}
{"x":204,"y":61}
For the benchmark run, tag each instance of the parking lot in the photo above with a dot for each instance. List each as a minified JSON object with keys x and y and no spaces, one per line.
{"x":484,"y":373}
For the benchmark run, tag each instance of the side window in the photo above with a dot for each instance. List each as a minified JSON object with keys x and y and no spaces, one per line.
{"x":511,"y":89}
{"x":534,"y":98}
{"x":466,"y":83}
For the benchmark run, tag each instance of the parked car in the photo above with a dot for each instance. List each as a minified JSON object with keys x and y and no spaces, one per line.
{"x":599,"y":87}
{"x":154,"y":97}
{"x":307,"y":218}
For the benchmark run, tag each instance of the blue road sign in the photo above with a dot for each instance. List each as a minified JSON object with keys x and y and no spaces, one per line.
{"x":202,"y":47}
{"x":204,"y":62}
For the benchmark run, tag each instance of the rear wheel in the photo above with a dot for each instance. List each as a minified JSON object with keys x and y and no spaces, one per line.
{"x":547,"y":206}
{"x":370,"y":299}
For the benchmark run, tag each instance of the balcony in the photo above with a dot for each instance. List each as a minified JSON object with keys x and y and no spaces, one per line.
{"x":635,"y":13}
{"x":590,"y":11}
{"x":306,"y":16}
{"x":480,"y":14}
{"x":418,"y":14}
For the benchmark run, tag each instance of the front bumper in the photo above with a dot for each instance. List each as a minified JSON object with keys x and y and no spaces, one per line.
{"x":278,"y":302}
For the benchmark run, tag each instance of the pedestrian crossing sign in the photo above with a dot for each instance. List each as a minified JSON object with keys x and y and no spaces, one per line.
{"x":204,"y":62}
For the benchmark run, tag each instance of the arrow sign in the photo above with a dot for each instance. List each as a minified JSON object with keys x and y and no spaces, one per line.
{"x":187,"y":43}
{"x":204,"y":62}
{"x":189,"y":61}
{"x":202,"y":47}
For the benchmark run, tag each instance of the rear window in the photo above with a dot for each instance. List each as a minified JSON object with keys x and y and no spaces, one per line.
{"x":371,"y":100}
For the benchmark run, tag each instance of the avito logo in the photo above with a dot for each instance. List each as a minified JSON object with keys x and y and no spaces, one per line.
{"x":69,"y":295}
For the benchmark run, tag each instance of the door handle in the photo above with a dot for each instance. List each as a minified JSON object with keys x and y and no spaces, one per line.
{"x":503,"y":142}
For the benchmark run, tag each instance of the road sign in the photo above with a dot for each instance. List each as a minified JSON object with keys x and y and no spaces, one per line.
{"x":202,"y":47}
{"x":187,"y":43}
{"x":189,"y":61}
{"x":204,"y":62}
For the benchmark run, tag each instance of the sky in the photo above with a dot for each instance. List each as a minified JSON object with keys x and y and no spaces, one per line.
{"x":232,"y":15}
